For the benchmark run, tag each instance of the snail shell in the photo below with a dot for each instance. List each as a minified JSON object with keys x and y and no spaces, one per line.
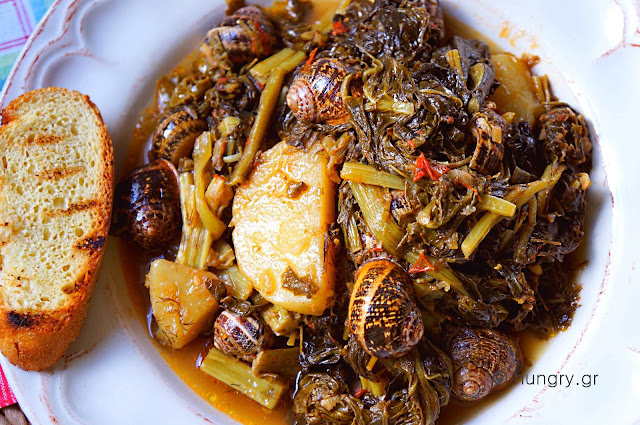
{"x":147,"y":206}
{"x":315,"y":94}
{"x":245,"y":35}
{"x":382,"y":311}
{"x":489,"y":129}
{"x":240,"y":336}
{"x":484,"y":360}
{"x":176,"y":134}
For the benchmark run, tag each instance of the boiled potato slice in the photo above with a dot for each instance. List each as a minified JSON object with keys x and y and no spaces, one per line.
{"x":181,"y":301}
{"x":281,"y":217}
{"x":516,"y":92}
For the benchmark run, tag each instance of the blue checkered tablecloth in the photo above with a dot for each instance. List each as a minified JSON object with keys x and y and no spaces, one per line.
{"x":18,"y":19}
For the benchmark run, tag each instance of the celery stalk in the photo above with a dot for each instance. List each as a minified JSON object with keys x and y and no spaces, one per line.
{"x":367,"y":174}
{"x":378,"y":389}
{"x":482,"y":228}
{"x":268,"y":101}
{"x":497,"y":205}
{"x":236,"y":282}
{"x":196,"y":239}
{"x":201,"y":158}
{"x":265,"y":390}
{"x":282,"y":362}
{"x":376,"y":216}
{"x":287,"y":59}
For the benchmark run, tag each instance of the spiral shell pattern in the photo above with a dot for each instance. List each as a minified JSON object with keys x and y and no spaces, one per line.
{"x":382,"y":311}
{"x":484,"y":360}
{"x":239,"y":336}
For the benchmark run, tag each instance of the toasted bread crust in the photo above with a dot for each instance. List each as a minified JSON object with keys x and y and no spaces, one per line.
{"x":36,"y":339}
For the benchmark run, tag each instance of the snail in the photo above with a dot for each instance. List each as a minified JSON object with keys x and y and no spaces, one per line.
{"x":176,"y":134}
{"x":147,"y":206}
{"x":245,"y":35}
{"x":316,"y":92}
{"x":240,"y":336}
{"x":489,"y":129}
{"x":382,"y":311}
{"x":484,"y":360}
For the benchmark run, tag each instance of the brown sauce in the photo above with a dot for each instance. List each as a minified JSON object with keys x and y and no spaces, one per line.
{"x":184,"y":362}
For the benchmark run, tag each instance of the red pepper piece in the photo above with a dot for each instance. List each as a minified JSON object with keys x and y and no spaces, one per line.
{"x":338,"y":28}
{"x":312,"y":56}
{"x":426,"y":167}
{"x":360,"y":393}
{"x":422,"y":265}
{"x":471,"y":188}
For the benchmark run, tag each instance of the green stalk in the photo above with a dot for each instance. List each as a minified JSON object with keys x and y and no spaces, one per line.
{"x":444,"y":274}
{"x":268,"y":101}
{"x":551,"y":174}
{"x":362,"y":173}
{"x":497,"y":205}
{"x":352,"y":239}
{"x":454,"y":61}
{"x":265,"y":390}
{"x":282,"y":362}
{"x":375,"y":212}
{"x":201,"y":158}
{"x":482,"y":228}
{"x":281,"y":321}
{"x":196,"y":239}
{"x":543,"y":90}
{"x":286,"y":59}
{"x":378,"y":389}
{"x":387,"y":104}
{"x":236,"y":282}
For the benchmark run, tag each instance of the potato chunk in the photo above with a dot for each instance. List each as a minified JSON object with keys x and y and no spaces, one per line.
{"x":181,"y":301}
{"x":282,"y":216}
{"x":516,"y":92}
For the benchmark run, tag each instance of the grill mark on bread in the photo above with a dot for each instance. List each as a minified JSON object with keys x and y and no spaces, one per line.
{"x":92,"y":243}
{"x":59,"y":173}
{"x":73,"y":208}
{"x":19,"y":320}
{"x":43,"y":139}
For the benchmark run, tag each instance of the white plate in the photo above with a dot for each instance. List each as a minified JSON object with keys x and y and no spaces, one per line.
{"x":114,"y":50}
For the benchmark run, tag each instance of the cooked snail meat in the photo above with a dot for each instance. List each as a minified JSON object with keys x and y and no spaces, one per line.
{"x":176,"y":134}
{"x":382,"y":311}
{"x":147,"y":206}
{"x":484,"y":360}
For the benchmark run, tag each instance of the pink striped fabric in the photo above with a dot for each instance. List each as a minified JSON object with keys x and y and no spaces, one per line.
{"x":6,"y":396}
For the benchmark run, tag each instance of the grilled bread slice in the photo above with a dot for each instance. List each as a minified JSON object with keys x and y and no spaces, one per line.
{"x":56,"y":184}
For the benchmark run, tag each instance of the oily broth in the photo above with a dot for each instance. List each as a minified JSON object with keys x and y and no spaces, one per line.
{"x":184,"y":362}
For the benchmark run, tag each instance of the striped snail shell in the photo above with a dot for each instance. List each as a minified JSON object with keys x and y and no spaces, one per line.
{"x":147,"y":206}
{"x":240,"y":336}
{"x":382,"y":311}
{"x":176,"y":134}
{"x":245,"y":35}
{"x":315,"y":94}
{"x":484,"y":360}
